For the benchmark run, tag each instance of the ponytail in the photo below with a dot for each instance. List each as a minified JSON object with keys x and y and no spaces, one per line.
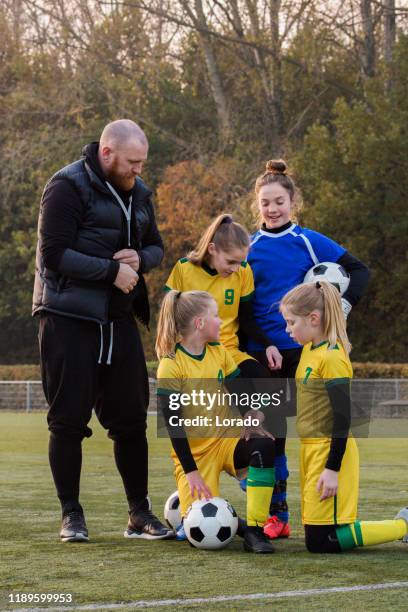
{"x":176,"y":315}
{"x":322,"y":296}
{"x":334,"y":321}
{"x":166,"y":327}
{"x":225,"y":233}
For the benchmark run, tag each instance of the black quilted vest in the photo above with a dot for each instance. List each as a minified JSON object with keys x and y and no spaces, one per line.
{"x":100,"y":235}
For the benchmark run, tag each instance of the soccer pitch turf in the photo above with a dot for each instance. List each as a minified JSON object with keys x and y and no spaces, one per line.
{"x":111,"y":569}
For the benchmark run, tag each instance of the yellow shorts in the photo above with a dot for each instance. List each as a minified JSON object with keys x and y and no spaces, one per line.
{"x":219,"y":457}
{"x":342,"y":508}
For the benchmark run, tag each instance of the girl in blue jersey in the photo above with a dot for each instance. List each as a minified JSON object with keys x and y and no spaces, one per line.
{"x":280,"y":254}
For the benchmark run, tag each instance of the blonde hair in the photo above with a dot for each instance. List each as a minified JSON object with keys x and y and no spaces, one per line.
{"x":277,"y":172}
{"x":225,"y":233}
{"x":325,"y":298}
{"x":176,"y":315}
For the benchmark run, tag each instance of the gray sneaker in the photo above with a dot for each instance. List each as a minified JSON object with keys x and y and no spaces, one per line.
{"x":144,"y":524}
{"x":73,"y":528}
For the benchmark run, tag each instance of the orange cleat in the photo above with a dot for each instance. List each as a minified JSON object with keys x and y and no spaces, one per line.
{"x":285,"y":533}
{"x":274,"y":528}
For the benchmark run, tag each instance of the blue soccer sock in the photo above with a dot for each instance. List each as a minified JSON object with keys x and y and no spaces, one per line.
{"x":279,"y":506}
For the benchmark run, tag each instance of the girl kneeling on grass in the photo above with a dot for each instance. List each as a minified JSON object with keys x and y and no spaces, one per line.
{"x":329,"y":461}
{"x":189,"y":352}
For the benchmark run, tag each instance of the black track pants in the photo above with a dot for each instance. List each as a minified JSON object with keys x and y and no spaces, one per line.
{"x":75,"y":383}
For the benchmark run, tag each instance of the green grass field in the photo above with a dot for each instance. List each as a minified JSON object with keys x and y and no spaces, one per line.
{"x":112,"y":569}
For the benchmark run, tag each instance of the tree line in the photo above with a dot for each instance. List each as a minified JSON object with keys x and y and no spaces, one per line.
{"x":220,"y":86}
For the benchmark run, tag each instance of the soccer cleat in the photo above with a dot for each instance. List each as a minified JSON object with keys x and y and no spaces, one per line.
{"x":180,"y":533}
{"x":285,"y":533}
{"x":275,"y":528}
{"x":403,"y":514}
{"x":242,"y":527}
{"x":73,"y":528}
{"x":256,"y":541}
{"x":144,"y":524}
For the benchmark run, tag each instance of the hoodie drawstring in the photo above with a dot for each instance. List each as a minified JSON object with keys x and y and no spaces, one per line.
{"x":109,"y":359}
{"x":126,"y":211}
{"x":110,"y":349}
{"x":101,"y":342}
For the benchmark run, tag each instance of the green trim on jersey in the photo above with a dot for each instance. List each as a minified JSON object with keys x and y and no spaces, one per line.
{"x":315,"y":346}
{"x":184,"y":260}
{"x":246,"y":298}
{"x":166,"y":288}
{"x":209,"y":270}
{"x":214,"y":343}
{"x":244,"y":264}
{"x":233,"y":374}
{"x":336,"y":381}
{"x":335,"y":510}
{"x":162,"y":391}
{"x":196,"y":357}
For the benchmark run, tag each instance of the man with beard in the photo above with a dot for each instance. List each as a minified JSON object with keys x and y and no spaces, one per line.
{"x":97,"y":237}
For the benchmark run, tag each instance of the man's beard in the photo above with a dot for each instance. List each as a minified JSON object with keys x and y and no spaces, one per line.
{"x":123,"y":182}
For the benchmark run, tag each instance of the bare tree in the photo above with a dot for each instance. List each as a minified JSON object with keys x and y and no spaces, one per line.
{"x":199,"y":20}
{"x":389,"y":40}
{"x":276,"y":77}
{"x":368,"y":44}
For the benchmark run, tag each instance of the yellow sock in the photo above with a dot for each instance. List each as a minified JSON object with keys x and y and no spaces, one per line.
{"x":368,"y":533}
{"x":378,"y":532}
{"x":260,"y":483}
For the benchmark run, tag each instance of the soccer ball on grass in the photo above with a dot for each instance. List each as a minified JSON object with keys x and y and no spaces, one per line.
{"x":210,"y":524}
{"x":172,"y":511}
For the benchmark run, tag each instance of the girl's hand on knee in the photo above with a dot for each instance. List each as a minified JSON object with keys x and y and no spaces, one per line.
{"x":328,"y":484}
{"x":198,"y":486}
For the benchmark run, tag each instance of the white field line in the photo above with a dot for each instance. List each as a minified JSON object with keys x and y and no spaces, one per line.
{"x":156,"y":603}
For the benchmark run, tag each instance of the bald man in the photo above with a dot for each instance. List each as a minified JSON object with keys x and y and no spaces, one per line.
{"x":97,"y":237}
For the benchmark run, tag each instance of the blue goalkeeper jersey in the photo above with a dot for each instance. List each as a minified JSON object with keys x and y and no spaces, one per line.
{"x":279,"y":262}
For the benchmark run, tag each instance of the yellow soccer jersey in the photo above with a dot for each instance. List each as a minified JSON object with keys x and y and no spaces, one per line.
{"x":186,"y":373}
{"x":319,"y":367}
{"x":228,"y":292}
